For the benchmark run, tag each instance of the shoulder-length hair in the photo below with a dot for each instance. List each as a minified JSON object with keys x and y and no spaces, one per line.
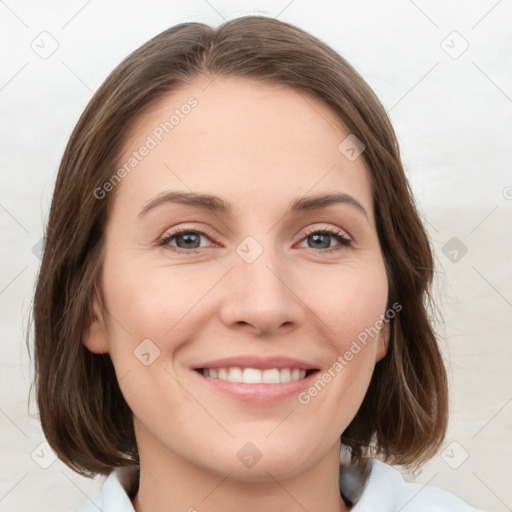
{"x":84,"y":416}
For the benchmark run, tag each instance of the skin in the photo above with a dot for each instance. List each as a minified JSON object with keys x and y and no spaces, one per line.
{"x":258,"y":147}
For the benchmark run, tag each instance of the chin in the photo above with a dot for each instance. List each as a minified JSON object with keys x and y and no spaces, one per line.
{"x":263,"y":471}
{"x":265,"y":460}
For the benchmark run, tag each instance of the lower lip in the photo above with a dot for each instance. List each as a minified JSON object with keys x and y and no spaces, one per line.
{"x":259,"y":393}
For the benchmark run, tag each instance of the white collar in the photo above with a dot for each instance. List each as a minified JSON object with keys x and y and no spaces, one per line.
{"x":383,"y":491}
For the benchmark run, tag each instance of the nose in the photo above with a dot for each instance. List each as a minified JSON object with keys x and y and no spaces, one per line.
{"x":259,"y":297}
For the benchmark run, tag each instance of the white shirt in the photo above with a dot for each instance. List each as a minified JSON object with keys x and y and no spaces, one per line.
{"x":385,"y":490}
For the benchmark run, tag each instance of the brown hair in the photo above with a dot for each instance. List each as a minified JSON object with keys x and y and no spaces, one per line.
{"x":84,"y":416}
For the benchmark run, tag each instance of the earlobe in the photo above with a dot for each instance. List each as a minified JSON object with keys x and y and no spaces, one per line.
{"x":96,"y":336}
{"x":383,"y":342}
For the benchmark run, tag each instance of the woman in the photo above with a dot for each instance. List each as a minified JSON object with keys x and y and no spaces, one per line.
{"x":231,"y":308}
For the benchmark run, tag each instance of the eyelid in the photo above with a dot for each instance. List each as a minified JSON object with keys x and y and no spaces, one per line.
{"x":345,"y":241}
{"x":171,"y":233}
{"x":325,"y":228}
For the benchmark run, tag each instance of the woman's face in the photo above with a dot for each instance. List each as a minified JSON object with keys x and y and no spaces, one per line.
{"x":223,"y":264}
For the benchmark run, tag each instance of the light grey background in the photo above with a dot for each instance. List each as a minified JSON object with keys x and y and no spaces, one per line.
{"x":452,"y":110}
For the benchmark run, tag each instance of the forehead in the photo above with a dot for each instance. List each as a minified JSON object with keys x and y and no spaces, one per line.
{"x":235,"y":136}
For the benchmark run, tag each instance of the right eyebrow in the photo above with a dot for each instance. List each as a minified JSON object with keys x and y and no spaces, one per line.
{"x":206,"y":201}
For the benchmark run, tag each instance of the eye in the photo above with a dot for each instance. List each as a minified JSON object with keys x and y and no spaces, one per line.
{"x":189,"y":240}
{"x":185,"y":240}
{"x":321,"y":239}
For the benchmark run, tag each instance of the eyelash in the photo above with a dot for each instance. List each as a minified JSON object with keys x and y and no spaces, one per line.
{"x":338,"y":234}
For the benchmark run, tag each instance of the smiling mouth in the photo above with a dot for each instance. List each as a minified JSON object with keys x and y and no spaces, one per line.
{"x":256,"y":375}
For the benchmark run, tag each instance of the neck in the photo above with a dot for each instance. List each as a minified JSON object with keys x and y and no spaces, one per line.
{"x":170,"y":483}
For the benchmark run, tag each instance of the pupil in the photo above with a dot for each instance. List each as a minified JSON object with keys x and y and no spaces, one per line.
{"x":319,"y":237}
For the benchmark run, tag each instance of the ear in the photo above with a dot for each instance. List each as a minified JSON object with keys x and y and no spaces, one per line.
{"x":383,"y":342}
{"x":96,"y":337}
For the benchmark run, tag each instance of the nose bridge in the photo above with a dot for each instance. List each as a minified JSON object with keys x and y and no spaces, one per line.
{"x":261,"y":294}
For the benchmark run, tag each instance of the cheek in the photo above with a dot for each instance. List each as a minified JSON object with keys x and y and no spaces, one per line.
{"x":350,"y":302}
{"x":151,"y":316}
{"x":351,"y":306}
{"x":157,"y":304}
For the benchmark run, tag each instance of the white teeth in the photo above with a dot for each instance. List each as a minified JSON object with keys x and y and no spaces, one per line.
{"x":235,"y":375}
{"x":251,"y":376}
{"x":285,"y":375}
{"x":271,"y":376}
{"x":255,"y":375}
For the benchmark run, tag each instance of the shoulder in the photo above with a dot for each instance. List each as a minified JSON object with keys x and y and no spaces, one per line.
{"x":113,"y":496}
{"x":386,"y":490}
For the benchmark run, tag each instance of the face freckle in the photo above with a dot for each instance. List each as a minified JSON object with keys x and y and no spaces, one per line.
{"x":263,"y":286}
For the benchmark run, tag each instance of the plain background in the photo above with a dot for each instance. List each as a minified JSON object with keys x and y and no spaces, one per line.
{"x":442,"y":69}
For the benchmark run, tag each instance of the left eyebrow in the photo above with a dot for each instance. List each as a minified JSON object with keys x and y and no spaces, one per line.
{"x":325,"y":200}
{"x":217,"y":204}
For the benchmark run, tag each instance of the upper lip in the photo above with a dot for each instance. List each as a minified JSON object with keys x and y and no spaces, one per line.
{"x":262,"y":363}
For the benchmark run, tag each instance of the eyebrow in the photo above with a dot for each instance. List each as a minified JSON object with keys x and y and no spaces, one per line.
{"x":217,"y":204}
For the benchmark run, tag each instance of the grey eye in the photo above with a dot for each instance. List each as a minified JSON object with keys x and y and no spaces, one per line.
{"x":188,"y":240}
{"x":320,"y":240}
